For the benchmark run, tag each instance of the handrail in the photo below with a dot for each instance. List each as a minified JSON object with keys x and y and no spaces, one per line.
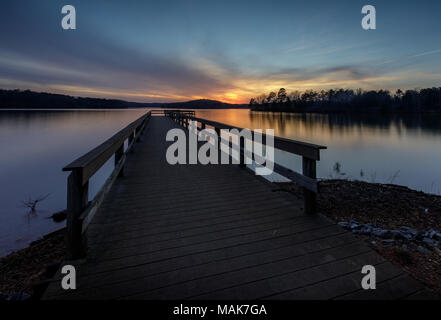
{"x":90,"y":162}
{"x":79,"y":211}
{"x":305,"y":149}
{"x":309,"y":152}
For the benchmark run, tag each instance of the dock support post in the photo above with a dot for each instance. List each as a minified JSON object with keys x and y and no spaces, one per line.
{"x":77,"y":199}
{"x":309,"y":170}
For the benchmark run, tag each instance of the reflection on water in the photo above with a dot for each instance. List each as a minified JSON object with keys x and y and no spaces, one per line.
{"x":37,"y":144}
{"x":403,"y":149}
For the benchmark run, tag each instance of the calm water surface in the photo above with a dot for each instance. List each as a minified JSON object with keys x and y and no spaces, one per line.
{"x":35,"y":145}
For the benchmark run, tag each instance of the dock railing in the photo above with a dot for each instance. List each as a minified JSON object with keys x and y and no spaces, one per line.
{"x":310,"y":154}
{"x":79,"y":210}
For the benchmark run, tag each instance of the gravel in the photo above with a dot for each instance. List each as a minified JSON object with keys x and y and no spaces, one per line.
{"x":22,"y":269}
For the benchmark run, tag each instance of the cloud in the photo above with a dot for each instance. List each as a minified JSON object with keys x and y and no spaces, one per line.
{"x":110,"y":67}
{"x":337,"y":72}
{"x":425,"y":53}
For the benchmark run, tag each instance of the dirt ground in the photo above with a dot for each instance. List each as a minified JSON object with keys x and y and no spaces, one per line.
{"x":21,"y":269}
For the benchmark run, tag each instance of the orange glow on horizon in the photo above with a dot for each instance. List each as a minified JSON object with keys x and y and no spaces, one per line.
{"x":238,"y":90}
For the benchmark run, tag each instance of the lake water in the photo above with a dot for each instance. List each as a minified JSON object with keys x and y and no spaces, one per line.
{"x":35,"y":145}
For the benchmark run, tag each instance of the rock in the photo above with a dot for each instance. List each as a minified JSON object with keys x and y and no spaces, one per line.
{"x":431,"y":234}
{"x":381,"y":233}
{"x":345,"y":225}
{"x":409,"y":230}
{"x":400,"y":235}
{"x":437,"y":236}
{"x":19,"y":296}
{"x":59,"y":216}
{"x":388,"y":241}
{"x":395,"y":234}
{"x":364,"y":231}
{"x":423,"y":250}
{"x":420,"y":235}
{"x":355,"y":225}
{"x":431,"y":242}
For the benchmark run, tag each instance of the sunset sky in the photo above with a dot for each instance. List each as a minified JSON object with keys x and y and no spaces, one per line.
{"x":179,"y":50}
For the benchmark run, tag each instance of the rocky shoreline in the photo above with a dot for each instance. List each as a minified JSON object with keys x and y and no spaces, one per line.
{"x":401,"y":224}
{"x":424,"y":241}
{"x":23,"y":273}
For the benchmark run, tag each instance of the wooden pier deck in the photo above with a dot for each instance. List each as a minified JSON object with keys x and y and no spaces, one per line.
{"x":217,"y":232}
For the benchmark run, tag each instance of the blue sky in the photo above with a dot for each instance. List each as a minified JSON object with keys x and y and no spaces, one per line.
{"x":225,"y":50}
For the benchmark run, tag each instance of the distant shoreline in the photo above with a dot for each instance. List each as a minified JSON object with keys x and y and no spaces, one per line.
{"x":27,"y":99}
{"x":389,"y":112}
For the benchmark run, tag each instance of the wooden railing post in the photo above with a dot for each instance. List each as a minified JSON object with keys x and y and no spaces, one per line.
{"x":118,"y":155}
{"x":218,"y":132}
{"x":132,"y":140}
{"x":242,"y":154}
{"x":309,"y":170}
{"x":77,"y":199}
{"x":137,"y":133}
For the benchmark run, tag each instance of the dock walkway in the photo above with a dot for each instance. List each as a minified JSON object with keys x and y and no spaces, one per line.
{"x":217,"y":232}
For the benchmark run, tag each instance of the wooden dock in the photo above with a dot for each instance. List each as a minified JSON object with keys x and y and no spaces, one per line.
{"x":162,"y":231}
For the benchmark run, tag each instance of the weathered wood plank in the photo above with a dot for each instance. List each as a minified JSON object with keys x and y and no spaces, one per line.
{"x":256,"y":282}
{"x":204,"y":232}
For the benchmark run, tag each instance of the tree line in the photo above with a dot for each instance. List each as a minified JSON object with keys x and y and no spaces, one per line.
{"x":347,"y":100}
{"x":30,"y":99}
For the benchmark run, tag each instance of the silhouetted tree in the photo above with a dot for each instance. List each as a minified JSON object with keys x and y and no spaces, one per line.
{"x":425,"y":100}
